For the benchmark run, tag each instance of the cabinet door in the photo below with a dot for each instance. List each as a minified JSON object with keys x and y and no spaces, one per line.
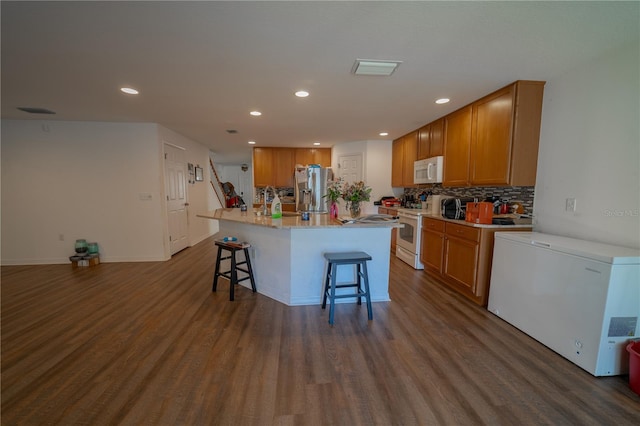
{"x":432,"y":249}
{"x":461,"y":262}
{"x":424,"y":142}
{"x":306,"y":156}
{"x":322,"y":156}
{"x":397,"y":153}
{"x":436,"y":138}
{"x":263,"y":167}
{"x":283,"y":164}
{"x":491,"y":138}
{"x":457,"y":140}
{"x":410,"y":156}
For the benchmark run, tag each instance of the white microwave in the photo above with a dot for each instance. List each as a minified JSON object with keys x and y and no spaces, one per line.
{"x":428,"y":171}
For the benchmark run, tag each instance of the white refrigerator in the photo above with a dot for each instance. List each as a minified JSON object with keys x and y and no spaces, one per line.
{"x":579,"y":298}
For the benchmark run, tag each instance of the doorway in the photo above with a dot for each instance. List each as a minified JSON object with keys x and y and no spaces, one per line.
{"x":176,"y":191}
{"x":350,"y":168}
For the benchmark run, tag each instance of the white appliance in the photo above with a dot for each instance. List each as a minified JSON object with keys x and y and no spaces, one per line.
{"x":579,"y":298}
{"x":408,"y":241}
{"x":428,"y":171}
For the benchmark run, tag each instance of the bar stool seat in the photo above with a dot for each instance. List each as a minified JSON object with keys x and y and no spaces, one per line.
{"x":357,"y":258}
{"x":232,"y":273}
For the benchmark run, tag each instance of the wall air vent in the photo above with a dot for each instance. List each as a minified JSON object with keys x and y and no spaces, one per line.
{"x":374,"y":67}
{"x":232,"y":131}
{"x":32,"y":110}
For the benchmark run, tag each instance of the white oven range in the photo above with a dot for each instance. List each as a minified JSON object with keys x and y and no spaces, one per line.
{"x":408,"y":242}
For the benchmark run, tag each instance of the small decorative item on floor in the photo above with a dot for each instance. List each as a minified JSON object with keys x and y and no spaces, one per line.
{"x":354,"y":194}
{"x":81,"y":246}
{"x":334,"y":191}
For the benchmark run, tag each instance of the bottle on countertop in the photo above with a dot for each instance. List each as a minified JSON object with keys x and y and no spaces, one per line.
{"x":276,"y":208}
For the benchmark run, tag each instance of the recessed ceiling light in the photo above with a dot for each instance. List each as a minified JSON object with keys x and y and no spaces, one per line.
{"x":442,"y":100}
{"x":316,"y":143}
{"x":384,"y":134}
{"x":252,"y":142}
{"x":374,"y":67}
{"x":256,"y":113}
{"x":302,"y":93}
{"x":129,"y":90}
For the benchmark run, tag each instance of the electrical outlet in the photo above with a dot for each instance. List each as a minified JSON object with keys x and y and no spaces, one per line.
{"x":570,"y":205}
{"x":61,"y":237}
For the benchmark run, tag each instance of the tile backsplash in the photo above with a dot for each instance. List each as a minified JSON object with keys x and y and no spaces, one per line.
{"x":507,"y":193}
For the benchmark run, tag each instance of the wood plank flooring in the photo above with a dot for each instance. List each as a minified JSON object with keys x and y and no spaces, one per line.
{"x":149,"y":344}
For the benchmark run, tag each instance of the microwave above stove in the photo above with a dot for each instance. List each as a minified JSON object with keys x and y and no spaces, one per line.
{"x":428,"y":171}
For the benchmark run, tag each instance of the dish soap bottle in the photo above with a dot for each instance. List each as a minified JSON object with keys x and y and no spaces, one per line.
{"x":276,"y":208}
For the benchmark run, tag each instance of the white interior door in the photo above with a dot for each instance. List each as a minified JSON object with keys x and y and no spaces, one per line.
{"x":175,"y":178}
{"x":350,"y":168}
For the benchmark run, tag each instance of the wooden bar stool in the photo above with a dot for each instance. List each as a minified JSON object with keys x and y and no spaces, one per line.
{"x":232,"y":273}
{"x":357,"y":258}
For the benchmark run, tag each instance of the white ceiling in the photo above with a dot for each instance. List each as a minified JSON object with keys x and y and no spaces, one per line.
{"x":202,"y":66}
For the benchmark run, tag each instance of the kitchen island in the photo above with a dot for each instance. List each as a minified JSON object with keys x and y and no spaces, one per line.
{"x":287,"y":253}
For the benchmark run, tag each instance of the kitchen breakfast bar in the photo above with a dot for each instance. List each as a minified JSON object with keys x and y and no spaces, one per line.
{"x":287,"y":253}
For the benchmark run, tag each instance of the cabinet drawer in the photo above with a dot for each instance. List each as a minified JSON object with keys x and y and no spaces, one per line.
{"x":433,"y":224}
{"x":462,"y":231}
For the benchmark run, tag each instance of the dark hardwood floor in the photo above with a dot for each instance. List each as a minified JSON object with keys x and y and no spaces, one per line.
{"x":148,"y":343}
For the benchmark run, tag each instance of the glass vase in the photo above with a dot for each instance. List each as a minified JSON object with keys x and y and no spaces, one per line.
{"x":354,"y":209}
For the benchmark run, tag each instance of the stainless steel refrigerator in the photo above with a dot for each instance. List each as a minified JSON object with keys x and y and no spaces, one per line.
{"x":310,"y":188}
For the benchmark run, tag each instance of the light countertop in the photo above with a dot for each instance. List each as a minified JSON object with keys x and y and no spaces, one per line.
{"x":289,"y":219}
{"x":518,"y":222}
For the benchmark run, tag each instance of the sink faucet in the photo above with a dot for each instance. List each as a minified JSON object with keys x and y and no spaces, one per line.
{"x":264,"y":197}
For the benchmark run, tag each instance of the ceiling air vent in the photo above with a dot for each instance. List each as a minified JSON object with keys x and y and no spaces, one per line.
{"x":232,"y":131}
{"x":373,"y":67}
{"x":32,"y":110}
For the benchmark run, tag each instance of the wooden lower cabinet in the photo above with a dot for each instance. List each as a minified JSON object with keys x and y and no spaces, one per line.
{"x":432,"y":248}
{"x":394,"y":231}
{"x":460,"y":255}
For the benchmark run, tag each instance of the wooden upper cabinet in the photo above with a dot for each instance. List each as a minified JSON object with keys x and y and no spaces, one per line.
{"x":491,"y":138}
{"x":410,"y":143}
{"x":397,"y":158}
{"x":321,"y":156}
{"x":283,"y":165}
{"x":457,"y":143}
{"x":263,"y":167}
{"x":505,"y":135}
{"x":491,"y":142}
{"x":424,"y":141}
{"x":436,"y":142}
{"x":274,"y":166}
{"x":431,"y":140}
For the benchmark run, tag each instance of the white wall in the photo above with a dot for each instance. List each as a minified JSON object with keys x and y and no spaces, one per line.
{"x":67,"y":180}
{"x":376,"y":169}
{"x":590,"y":151}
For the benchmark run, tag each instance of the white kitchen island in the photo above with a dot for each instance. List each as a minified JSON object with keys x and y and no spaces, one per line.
{"x":287,"y":253}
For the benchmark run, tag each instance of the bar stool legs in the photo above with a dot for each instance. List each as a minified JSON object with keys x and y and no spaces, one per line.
{"x":232,"y":273}
{"x":359,"y":259}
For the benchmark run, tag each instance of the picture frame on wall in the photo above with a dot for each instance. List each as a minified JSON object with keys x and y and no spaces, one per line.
{"x":199,"y":175}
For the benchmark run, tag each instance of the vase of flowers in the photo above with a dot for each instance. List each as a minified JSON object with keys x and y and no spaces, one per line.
{"x":334,"y":191}
{"x":354,"y":194}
